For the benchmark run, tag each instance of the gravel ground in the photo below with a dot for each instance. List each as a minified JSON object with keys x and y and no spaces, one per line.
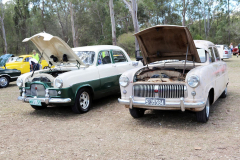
{"x":108,"y":131}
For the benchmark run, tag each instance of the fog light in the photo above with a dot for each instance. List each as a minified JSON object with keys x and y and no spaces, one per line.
{"x":124,"y":91}
{"x":193,"y":93}
{"x":59,"y":92}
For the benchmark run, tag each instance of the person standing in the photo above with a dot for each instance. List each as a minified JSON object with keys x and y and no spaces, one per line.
{"x":35,"y":55}
{"x":238,"y":50}
{"x":231,"y":47}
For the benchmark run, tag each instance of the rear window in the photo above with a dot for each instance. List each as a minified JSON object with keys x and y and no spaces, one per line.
{"x":202,"y":55}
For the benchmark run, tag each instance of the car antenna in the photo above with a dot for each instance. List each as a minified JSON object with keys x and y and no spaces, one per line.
{"x":185,"y":59}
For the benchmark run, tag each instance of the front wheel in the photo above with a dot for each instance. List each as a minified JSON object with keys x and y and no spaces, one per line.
{"x":203,"y":115}
{"x":136,"y":112}
{"x":4,"y":82}
{"x":39,"y":107}
{"x":83,"y":101}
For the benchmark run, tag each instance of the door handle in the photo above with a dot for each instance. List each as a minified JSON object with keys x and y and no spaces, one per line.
{"x":114,"y":65}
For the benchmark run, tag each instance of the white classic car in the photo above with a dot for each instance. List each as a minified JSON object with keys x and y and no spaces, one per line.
{"x":181,"y":74}
{"x":80,"y":74}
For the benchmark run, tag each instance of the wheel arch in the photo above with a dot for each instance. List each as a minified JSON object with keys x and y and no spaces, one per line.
{"x":6,"y":75}
{"x":211,"y":95}
{"x":85,"y":86}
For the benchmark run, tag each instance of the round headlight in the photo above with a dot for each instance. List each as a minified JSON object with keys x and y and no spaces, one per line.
{"x":123,"y":81}
{"x":193,"y":81}
{"x":58,"y":82}
{"x":19,"y":82}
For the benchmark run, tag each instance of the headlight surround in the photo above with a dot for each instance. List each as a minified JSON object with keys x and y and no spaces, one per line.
{"x":19,"y":82}
{"x":58,"y":82}
{"x":193,"y":81}
{"x":123,"y":81}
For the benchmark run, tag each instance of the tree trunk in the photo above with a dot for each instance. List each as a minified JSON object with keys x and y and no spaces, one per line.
{"x":114,"y":42}
{"x":133,"y":10}
{"x":44,"y":26}
{"x":183,"y":13}
{"x":228,"y":24}
{"x":3,"y":29}
{"x":75,"y":38}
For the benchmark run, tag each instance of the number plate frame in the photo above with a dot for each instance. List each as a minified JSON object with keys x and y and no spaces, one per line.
{"x":35,"y":102}
{"x":155,"y":102}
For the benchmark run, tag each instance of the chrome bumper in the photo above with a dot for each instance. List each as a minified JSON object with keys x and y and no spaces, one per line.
{"x":178,"y":105}
{"x":47,"y":100}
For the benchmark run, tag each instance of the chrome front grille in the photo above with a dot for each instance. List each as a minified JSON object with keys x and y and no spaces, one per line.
{"x":39,"y":90}
{"x":160,"y":91}
{"x":36,"y":90}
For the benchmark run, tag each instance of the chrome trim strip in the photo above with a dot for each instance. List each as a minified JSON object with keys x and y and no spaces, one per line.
{"x":9,"y":75}
{"x":47,"y":100}
{"x":181,"y":104}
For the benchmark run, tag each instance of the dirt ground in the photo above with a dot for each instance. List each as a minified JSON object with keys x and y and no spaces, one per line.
{"x":108,"y":131}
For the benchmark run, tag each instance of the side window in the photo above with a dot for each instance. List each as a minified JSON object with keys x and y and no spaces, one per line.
{"x":211,"y":55}
{"x":118,"y":56}
{"x":104,"y":57}
{"x":216,"y":54}
{"x":26,"y":59}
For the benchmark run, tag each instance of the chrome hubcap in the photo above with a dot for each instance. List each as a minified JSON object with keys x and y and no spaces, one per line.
{"x":207,"y":108}
{"x":84,"y":100}
{"x":3,"y":81}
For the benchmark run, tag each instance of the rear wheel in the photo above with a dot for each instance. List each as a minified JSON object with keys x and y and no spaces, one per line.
{"x":83,"y":101}
{"x":4,"y":82}
{"x":136,"y":112}
{"x":203,"y":115}
{"x":39,"y":107}
{"x":224,"y":94}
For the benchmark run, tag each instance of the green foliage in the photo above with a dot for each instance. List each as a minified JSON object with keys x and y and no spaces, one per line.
{"x":24,"y":18}
{"x":127,"y":42}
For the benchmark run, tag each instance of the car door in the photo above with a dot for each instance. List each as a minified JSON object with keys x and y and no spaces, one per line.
{"x":25,"y":65}
{"x":121,"y":62}
{"x":220,"y":73}
{"x":107,"y":72}
{"x":213,"y":70}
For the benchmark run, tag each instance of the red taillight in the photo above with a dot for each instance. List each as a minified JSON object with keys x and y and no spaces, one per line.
{"x":226,"y":52}
{"x":35,"y":88}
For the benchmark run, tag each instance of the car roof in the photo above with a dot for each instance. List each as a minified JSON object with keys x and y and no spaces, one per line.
{"x":203,"y":44}
{"x":96,"y":48}
{"x":25,"y":56}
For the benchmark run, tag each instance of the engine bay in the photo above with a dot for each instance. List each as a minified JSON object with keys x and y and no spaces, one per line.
{"x":160,"y":75}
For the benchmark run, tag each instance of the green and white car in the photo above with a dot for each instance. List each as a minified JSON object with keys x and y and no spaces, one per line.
{"x":80,"y":74}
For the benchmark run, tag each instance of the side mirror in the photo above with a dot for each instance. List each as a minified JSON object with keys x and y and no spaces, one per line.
{"x":140,"y":58}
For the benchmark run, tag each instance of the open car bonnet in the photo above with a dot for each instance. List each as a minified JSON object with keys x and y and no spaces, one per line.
{"x":53,"y":46}
{"x":4,"y":58}
{"x":164,"y":42}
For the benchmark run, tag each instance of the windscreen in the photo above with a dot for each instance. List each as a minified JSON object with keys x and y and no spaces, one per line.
{"x":19,"y":59}
{"x":202,"y":55}
{"x":87,"y":57}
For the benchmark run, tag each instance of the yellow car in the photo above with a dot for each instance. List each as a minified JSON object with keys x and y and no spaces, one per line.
{"x":22,"y":64}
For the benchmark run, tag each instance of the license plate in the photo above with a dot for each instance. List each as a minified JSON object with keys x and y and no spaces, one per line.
{"x":35,"y":102}
{"x":155,"y":101}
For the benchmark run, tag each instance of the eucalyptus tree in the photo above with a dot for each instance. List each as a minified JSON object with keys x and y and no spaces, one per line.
{"x":114,"y":40}
{"x":21,"y":15}
{"x":2,"y":26}
{"x":133,"y":8}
